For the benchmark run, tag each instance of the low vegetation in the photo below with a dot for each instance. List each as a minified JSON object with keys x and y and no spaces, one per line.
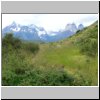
{"x":69,"y":62}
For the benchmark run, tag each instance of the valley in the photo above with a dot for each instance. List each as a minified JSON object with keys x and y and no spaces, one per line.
{"x":71,"y":61}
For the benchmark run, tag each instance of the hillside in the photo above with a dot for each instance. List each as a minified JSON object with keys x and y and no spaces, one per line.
{"x":69,"y":62}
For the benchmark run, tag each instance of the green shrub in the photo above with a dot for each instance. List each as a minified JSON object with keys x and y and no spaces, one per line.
{"x":11,"y":42}
{"x":32,"y":47}
{"x":89,"y":46}
{"x":78,"y":31}
{"x":88,"y":42}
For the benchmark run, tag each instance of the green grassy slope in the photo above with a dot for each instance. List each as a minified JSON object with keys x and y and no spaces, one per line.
{"x":67,"y":53}
{"x":69,"y":62}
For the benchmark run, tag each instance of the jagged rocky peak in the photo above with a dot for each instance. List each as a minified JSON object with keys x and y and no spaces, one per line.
{"x":14,"y":24}
{"x":80,"y":26}
{"x":71,"y":26}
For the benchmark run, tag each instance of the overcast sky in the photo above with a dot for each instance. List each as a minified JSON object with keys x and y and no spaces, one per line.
{"x":50,"y":22}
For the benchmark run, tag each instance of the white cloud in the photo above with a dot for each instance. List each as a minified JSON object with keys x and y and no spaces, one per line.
{"x":49,"y":21}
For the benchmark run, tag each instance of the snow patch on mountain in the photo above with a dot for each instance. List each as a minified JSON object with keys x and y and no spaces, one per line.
{"x":15,"y":29}
{"x":41,"y":32}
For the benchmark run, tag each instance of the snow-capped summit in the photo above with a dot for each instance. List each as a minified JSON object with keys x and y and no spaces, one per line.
{"x":13,"y":23}
{"x":27,"y":32}
{"x":14,"y":27}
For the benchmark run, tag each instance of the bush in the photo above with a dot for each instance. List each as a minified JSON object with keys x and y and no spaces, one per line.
{"x":41,"y":76}
{"x":88,"y":42}
{"x":32,"y":47}
{"x":15,"y":63}
{"x":89,"y":46}
{"x":10,"y":41}
{"x":78,"y":31}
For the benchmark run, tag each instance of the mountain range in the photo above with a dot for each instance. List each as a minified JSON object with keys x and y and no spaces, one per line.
{"x":34,"y":33}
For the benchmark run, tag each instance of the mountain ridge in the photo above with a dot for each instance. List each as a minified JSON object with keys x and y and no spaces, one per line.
{"x":34,"y":33}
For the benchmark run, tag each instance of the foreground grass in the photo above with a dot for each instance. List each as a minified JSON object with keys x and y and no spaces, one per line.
{"x":19,"y":71}
{"x":69,"y":57}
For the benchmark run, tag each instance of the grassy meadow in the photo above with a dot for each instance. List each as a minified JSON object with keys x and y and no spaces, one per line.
{"x":69,"y":62}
